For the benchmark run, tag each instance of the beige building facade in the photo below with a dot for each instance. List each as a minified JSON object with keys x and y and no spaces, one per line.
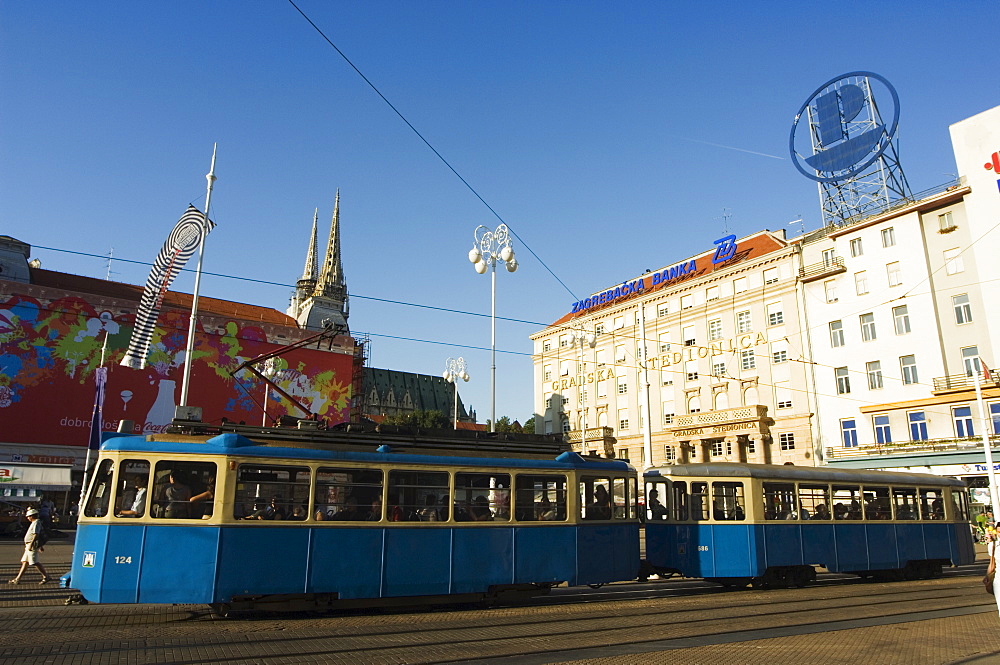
{"x":698,"y":361}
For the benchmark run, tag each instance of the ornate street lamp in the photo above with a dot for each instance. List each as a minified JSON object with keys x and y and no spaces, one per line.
{"x":488,"y":248}
{"x":455,"y":370}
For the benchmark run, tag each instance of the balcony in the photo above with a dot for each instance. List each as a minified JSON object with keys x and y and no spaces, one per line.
{"x":816,"y":271}
{"x":962,"y":382}
{"x":969,"y":444}
{"x":604,"y":437}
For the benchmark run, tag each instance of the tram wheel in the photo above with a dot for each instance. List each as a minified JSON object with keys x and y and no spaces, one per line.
{"x":220,"y":610}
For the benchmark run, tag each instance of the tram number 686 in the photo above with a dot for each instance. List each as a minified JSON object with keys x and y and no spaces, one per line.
{"x":703,"y":548}
{"x":123,"y":559}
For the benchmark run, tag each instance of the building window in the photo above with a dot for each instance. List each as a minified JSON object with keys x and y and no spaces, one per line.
{"x":962,"y":416}
{"x":883,"y":434}
{"x":743,"y":322}
{"x":689,"y":337}
{"x":564,"y":367}
{"x":719,"y":369}
{"x":691,"y":369}
{"x":995,"y":416}
{"x":751,"y":447}
{"x":740,"y":285}
{"x":619,"y":322}
{"x":775,"y":315}
{"x":547,"y":372}
{"x":783,"y":395}
{"x":748,"y":360}
{"x":908,"y":365}
{"x":622,"y":418}
{"x":664,"y":342}
{"x":828,"y":257}
{"x":901,"y":319}
{"x":717,"y":449}
{"x":888,"y":237}
{"x":687,"y":302}
{"x":602,"y":388}
{"x":918,"y":425}
{"x":779,"y":352}
{"x":668,"y":418}
{"x":694,"y":405}
{"x":565,"y":426}
{"x":843,"y":380}
{"x":667,"y":381}
{"x":849,"y":432}
{"x":602,"y":357}
{"x":620,"y":353}
{"x":946,"y":222}
{"x":894,"y":273}
{"x":963,"y":310}
{"x":548,"y":401}
{"x":836,"y":333}
{"x":861,"y":282}
{"x":874,"y":370}
{"x":712,"y":293}
{"x":563,"y":340}
{"x":868,"y":327}
{"x":714,"y":329}
{"x":786,"y":441}
{"x":622,"y":387}
{"x":547,"y":345}
{"x":830,"y":289}
{"x":662,"y":309}
{"x":599,"y":329}
{"x":770,"y":276}
{"x":669,"y":453}
{"x":970,"y":359}
{"x":856,"y":249}
{"x":953,"y":263}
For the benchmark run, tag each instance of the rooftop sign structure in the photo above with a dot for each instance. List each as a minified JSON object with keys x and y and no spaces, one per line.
{"x":841,"y":139}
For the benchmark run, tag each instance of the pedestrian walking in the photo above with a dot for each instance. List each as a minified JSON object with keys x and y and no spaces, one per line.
{"x":32,"y":546}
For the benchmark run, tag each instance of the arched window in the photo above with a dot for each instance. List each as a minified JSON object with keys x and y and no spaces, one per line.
{"x":721,"y":401}
{"x":750,"y":396}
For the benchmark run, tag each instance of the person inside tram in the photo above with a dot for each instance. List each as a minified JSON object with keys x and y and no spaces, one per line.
{"x":350,"y":512}
{"x":600,"y":509}
{"x":138,"y":507}
{"x":480,"y":510}
{"x":544,"y":512}
{"x":205,"y":499}
{"x":839,"y":511}
{"x":906,"y":512}
{"x":822,"y":512}
{"x":177,"y":496}
{"x":655,"y":509}
{"x":375,"y":514}
{"x":298,"y":513}
{"x":854,"y":513}
{"x":937,"y":509}
{"x":429,"y":512}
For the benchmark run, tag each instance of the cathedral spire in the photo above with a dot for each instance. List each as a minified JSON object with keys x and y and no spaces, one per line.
{"x":331,"y":279}
{"x":310,"y":272}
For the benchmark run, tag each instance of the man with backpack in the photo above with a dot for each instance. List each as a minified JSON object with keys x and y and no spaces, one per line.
{"x":34,"y":540}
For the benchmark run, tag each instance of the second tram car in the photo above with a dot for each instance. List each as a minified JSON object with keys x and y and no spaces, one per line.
{"x":769,"y":525}
{"x":241,"y":517}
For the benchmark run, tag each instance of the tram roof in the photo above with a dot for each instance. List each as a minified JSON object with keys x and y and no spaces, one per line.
{"x":232,"y":444}
{"x":802,"y":473}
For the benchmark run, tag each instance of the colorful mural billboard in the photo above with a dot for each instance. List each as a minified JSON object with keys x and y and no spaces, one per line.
{"x":50,"y":349}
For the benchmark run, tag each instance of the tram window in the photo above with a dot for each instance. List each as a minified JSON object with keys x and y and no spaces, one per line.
{"x":619,"y":499}
{"x":656,"y":498}
{"x":679,"y":500}
{"x":960,"y":504}
{"x":904,"y":500}
{"x":483,"y":497}
{"x":595,"y":498}
{"x":779,"y":501}
{"x":418,"y":496}
{"x":633,"y":498}
{"x":699,"y":501}
{"x":350,"y":495}
{"x":727,"y":501}
{"x":876,"y":501}
{"x":931,"y":503}
{"x":847,"y":502}
{"x":270,"y":491}
{"x":814,"y":502}
{"x":540,"y":498}
{"x":100,"y":490}
{"x":133,"y":485}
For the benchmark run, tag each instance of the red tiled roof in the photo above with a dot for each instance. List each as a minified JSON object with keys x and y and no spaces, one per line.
{"x":173,"y":299}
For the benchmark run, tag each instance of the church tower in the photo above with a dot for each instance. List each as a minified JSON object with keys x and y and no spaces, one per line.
{"x":322,"y":299}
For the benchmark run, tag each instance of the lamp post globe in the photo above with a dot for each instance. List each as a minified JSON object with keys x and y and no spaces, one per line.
{"x":455,"y":370}
{"x":489,"y":247}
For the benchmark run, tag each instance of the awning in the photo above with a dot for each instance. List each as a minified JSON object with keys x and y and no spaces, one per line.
{"x":42,"y":477}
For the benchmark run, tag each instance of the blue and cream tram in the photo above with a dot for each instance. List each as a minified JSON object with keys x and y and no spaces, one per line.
{"x":768,"y":525}
{"x":241,"y":517}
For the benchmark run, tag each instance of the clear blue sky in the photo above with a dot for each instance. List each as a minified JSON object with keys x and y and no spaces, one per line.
{"x":593,"y":129}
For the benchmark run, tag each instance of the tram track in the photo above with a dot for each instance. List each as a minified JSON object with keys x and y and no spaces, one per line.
{"x":452,"y":634}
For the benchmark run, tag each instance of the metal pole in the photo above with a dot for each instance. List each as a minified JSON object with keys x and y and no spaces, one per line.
{"x":987,"y":448}
{"x":583,"y":394}
{"x":455,"y":382}
{"x":493,"y":348}
{"x":189,"y":349}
